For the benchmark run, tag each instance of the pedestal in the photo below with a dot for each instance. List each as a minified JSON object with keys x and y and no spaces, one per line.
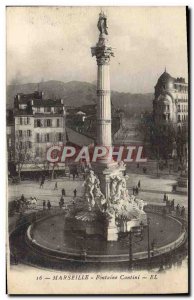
{"x":112,"y":233}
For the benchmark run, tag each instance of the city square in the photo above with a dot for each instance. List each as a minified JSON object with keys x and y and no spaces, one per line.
{"x":104,"y":211}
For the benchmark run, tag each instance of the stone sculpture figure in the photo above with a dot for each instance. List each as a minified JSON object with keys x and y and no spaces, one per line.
{"x":93,"y":194}
{"x":113,"y":185}
{"x":102,"y":24}
{"x":89,"y":187}
{"x":118,"y":188}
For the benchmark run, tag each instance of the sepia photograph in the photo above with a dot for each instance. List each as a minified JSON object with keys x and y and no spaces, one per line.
{"x":97,"y":137}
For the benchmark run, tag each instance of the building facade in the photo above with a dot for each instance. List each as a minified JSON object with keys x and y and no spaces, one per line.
{"x":37,"y":124}
{"x":170,"y":104}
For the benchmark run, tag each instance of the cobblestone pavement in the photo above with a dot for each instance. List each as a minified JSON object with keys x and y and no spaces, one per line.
{"x":32,"y":189}
{"x":152,"y":189}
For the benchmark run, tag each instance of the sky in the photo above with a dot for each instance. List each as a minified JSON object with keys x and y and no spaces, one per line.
{"x":54,"y":43}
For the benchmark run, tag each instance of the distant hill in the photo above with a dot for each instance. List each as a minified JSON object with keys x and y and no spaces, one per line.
{"x":77,"y":93}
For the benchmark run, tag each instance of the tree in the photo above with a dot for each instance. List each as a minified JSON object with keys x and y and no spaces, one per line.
{"x":41,"y":162}
{"x":159,"y":136}
{"x":23,"y":153}
{"x":163,"y":137}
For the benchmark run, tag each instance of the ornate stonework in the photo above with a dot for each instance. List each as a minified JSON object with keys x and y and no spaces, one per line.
{"x":93,"y":194}
{"x":102,"y":53}
{"x":119,"y":204}
{"x":105,"y":189}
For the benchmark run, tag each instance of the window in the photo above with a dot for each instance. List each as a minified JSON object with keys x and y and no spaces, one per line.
{"x":47,"y":137}
{"x":38,"y":137}
{"x":9,"y":142}
{"x":21,"y":121}
{"x":58,"y":123}
{"x":38,"y":123}
{"x":28,"y":132}
{"x":48,"y":123}
{"x":38,"y":109}
{"x":20,"y":133}
{"x":28,"y":120}
{"x":60,"y":137}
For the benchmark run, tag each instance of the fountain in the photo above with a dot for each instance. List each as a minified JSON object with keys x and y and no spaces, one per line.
{"x":106,"y":195}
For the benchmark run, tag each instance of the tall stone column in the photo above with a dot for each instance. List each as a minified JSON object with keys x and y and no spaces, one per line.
{"x":104,"y":135}
{"x":104,"y":168}
{"x":103,"y":53}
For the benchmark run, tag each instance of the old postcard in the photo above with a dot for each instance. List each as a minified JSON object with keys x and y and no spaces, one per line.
{"x":97,"y":150}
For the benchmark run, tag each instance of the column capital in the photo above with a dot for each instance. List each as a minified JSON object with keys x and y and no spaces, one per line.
{"x":103,"y":54}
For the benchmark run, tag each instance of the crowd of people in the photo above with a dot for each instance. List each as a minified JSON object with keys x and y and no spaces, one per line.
{"x":180,"y":211}
{"x":23,"y":203}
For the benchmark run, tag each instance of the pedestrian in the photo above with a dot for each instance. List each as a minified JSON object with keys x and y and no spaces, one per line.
{"x":62,"y":201}
{"x":172,"y":204}
{"x":22,"y":198}
{"x":137,"y":190}
{"x":139,"y":184}
{"x":41,"y":183}
{"x":48,"y":205}
{"x":75,"y":192}
{"x":63,"y":192}
{"x":165,"y":198}
{"x":56,"y":187}
{"x":44,"y":204}
{"x":178,"y":210}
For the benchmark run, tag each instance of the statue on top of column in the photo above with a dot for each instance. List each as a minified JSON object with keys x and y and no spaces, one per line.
{"x":102,"y":23}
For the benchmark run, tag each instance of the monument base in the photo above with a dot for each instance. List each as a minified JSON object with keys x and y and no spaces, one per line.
{"x":112,"y":233}
{"x":105,"y":172}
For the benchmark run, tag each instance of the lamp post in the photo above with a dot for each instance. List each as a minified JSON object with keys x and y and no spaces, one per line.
{"x":153,"y":243}
{"x":148,"y":225}
{"x":130,"y":250}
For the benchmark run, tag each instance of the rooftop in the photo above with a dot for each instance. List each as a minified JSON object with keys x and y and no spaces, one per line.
{"x":36,"y":99}
{"x":77,"y":138}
